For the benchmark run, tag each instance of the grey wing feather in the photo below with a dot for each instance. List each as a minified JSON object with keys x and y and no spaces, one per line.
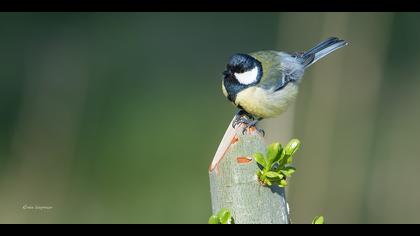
{"x":279,"y":68}
{"x":292,"y":69}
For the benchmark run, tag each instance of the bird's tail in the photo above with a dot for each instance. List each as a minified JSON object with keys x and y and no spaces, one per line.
{"x":321,"y":50}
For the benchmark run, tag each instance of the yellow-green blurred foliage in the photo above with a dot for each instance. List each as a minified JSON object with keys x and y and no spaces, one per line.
{"x":115,"y":117}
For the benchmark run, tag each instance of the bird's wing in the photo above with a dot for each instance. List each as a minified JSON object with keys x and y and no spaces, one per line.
{"x":279,"y":68}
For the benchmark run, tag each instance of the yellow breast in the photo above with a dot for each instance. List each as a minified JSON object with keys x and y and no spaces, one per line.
{"x":266,"y":103}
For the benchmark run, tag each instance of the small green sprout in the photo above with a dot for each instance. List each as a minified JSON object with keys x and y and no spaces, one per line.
{"x":274,"y":166}
{"x":222,"y":217}
{"x":319,"y":220}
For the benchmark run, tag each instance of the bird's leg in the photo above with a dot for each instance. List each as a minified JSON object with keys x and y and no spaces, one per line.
{"x":243,"y":117}
{"x":253,"y":124}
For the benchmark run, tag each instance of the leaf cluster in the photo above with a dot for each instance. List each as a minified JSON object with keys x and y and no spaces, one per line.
{"x":222,"y":217}
{"x":275,"y":165}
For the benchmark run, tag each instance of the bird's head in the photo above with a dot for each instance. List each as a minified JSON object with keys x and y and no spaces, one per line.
{"x":243,"y":69}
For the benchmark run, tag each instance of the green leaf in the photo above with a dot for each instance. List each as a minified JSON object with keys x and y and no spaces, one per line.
{"x":283,"y":183}
{"x":282,"y":155}
{"x":268,"y":182}
{"x":292,"y":147}
{"x":273,"y":152}
{"x":272,"y":174}
{"x":224,"y":216}
{"x":214,"y":220}
{"x":259,"y":158}
{"x":319,"y":220}
{"x":288,"y":171}
{"x":289,"y":160}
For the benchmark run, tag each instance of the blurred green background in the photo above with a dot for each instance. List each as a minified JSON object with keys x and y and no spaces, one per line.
{"x":115,"y":117}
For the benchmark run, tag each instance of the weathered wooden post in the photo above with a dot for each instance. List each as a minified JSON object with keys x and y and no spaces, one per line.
{"x":234,"y":184}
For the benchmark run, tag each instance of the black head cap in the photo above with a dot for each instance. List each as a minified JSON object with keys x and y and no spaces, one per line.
{"x":240,"y":63}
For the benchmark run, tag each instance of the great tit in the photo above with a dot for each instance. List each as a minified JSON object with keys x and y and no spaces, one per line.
{"x":263,"y":84}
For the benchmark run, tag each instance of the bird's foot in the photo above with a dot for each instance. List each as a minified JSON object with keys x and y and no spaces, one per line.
{"x":241,"y":117}
{"x":248,"y":122}
{"x":241,"y":120}
{"x":252,"y":125}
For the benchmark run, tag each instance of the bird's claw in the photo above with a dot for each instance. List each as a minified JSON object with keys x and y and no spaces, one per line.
{"x":240,"y":120}
{"x":260,"y":130}
{"x":253,"y":124}
{"x":248,"y":124}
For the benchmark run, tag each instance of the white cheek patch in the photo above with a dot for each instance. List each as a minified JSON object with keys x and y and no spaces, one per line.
{"x":247,"y":77}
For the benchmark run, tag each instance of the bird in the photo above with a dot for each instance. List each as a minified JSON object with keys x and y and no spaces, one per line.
{"x":263,"y":84}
